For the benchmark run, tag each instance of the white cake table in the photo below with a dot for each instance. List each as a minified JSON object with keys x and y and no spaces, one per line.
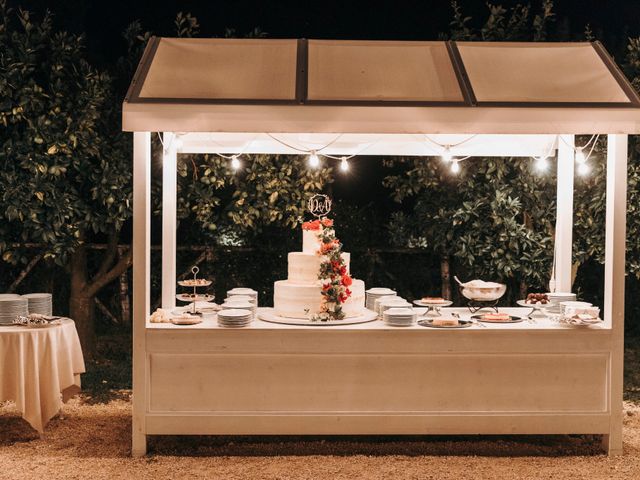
{"x":39,"y":369}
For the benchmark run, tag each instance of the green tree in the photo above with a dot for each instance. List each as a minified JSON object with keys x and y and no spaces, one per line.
{"x":64,"y":178}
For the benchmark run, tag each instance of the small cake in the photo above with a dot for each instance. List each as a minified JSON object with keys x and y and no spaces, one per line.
{"x":196,"y":282}
{"x":445,"y":322}
{"x":433,"y":300}
{"x":537,"y":299}
{"x":496,"y":317}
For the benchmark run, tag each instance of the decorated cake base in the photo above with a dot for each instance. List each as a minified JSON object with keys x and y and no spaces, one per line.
{"x":269,"y":315}
{"x":296,"y":300}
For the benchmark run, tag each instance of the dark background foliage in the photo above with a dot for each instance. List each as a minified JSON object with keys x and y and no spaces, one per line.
{"x":400,"y":217}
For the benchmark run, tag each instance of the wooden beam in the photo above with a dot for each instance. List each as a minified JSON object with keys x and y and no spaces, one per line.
{"x":169,"y":222}
{"x":614,"y":280}
{"x":564,"y":214}
{"x":141,"y":283}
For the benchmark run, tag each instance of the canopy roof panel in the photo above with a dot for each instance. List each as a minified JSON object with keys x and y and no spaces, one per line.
{"x":275,"y":85}
{"x":539,"y":72}
{"x":397,"y":71}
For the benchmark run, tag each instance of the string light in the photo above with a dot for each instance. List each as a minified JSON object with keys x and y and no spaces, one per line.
{"x":455,"y":166}
{"x":542,"y":164}
{"x":344,"y":164}
{"x":580,"y":157}
{"x":583,"y":168}
{"x":314,"y":161}
{"x":446,"y":154}
{"x":235,"y":162}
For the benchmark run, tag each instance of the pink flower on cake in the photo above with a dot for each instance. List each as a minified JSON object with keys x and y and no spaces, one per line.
{"x":311,"y":225}
{"x":327,"y":222}
{"x":346,"y":280}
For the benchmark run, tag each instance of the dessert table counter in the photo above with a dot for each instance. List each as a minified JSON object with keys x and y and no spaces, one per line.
{"x":370,"y":378}
{"x":39,"y":369}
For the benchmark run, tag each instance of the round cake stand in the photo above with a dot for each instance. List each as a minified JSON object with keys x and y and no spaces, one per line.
{"x":269,"y":315}
{"x":477,"y":305}
{"x":433,"y":309}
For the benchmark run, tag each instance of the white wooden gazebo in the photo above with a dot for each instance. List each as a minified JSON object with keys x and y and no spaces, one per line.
{"x":378,"y":98}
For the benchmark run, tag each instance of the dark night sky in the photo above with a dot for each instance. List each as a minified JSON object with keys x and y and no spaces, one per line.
{"x":104,"y":20}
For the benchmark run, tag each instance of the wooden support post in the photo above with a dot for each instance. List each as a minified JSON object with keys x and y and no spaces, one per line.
{"x":614,"y":280}
{"x":564,"y":213}
{"x":141,"y":283}
{"x":169,"y":206}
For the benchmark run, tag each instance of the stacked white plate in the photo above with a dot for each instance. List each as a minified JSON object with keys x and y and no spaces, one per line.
{"x":234,"y":317}
{"x":232,"y":304}
{"x":10,"y":308}
{"x":378,"y":301}
{"x":39,"y":303}
{"x":373,"y":293}
{"x":244,"y":291}
{"x":399,"y":317}
{"x":385,"y":304}
{"x":241,"y":298}
{"x":556,"y":298}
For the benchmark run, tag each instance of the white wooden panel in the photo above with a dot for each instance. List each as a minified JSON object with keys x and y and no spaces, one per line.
{"x":370,"y":424}
{"x":378,"y":383}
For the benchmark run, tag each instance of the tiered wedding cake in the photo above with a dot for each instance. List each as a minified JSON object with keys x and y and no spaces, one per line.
{"x":304,"y":293}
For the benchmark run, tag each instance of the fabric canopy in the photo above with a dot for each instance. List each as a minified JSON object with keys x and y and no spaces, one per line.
{"x":276,"y":85}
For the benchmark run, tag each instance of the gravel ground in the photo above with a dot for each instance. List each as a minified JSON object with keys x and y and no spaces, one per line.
{"x":93,"y":441}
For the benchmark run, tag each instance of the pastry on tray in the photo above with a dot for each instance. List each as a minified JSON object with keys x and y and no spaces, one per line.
{"x":496,"y":317}
{"x":196,"y":282}
{"x":445,"y":322}
{"x":537,"y":299}
{"x":433,"y":300}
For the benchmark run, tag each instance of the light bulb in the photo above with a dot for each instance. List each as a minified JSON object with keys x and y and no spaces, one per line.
{"x":583,"y":168}
{"x":314,"y":161}
{"x":580,"y":158}
{"x":344,"y":164}
{"x":446,"y":154}
{"x":235,"y":163}
{"x":455,"y":166}
{"x":542,"y":164}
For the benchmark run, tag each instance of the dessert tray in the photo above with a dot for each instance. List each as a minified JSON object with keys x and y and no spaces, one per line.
{"x":512,"y":319}
{"x":433,"y":307}
{"x":195,"y":298}
{"x":429,"y":322}
{"x":268,"y":315}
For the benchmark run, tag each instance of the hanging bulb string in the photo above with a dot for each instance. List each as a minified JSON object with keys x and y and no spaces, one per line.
{"x":578,"y":148}
{"x":551,"y":149}
{"x":316,"y":150}
{"x":450,"y":145}
{"x":592,"y":148}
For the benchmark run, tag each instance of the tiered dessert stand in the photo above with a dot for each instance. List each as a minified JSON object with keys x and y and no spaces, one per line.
{"x":195,"y":297}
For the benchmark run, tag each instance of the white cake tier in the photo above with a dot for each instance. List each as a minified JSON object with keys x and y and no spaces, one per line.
{"x":304,"y":267}
{"x":310,"y":241}
{"x":300,"y":301}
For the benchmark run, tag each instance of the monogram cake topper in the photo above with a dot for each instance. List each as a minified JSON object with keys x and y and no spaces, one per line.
{"x":319,"y":205}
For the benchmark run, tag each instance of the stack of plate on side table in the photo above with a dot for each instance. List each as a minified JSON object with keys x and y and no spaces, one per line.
{"x":234,"y":317}
{"x":12,"y":307}
{"x":399,"y":317}
{"x":39,"y":303}
{"x":375,"y":293}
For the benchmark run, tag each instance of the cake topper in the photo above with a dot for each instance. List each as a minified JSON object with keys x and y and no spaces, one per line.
{"x":319,"y":205}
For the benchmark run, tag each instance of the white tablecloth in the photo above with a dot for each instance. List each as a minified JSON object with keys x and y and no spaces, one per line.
{"x":39,"y":369}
